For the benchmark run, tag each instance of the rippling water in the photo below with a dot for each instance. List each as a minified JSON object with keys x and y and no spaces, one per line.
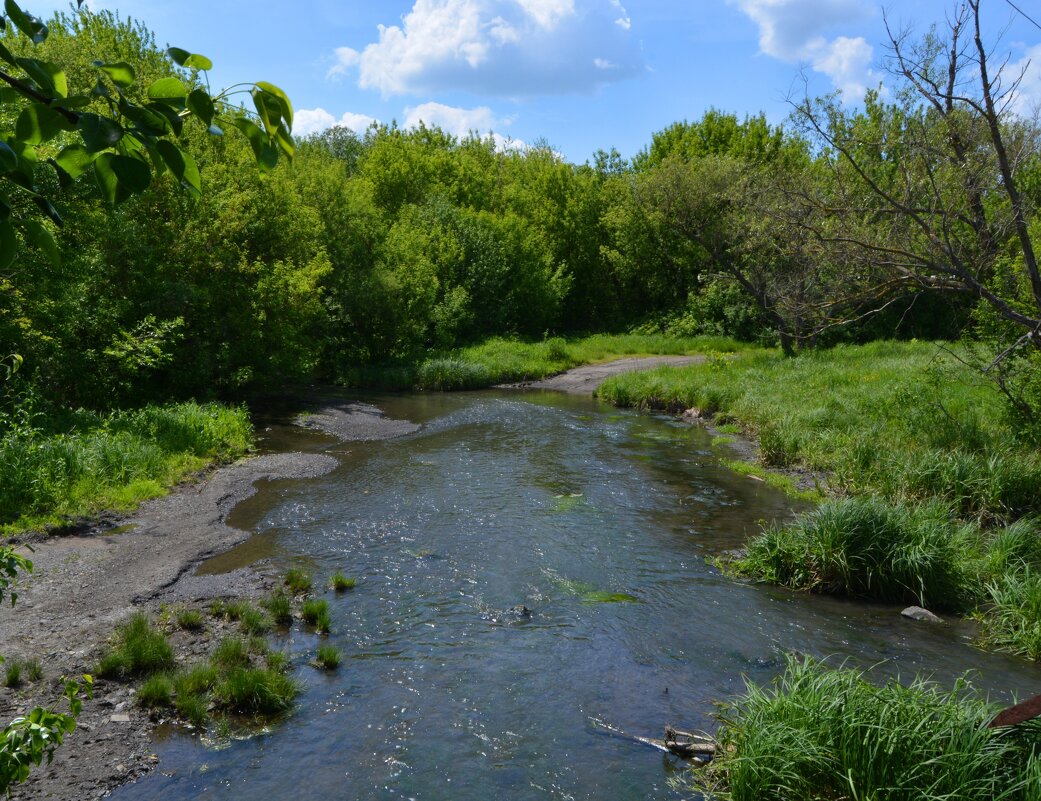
{"x":557,"y":504}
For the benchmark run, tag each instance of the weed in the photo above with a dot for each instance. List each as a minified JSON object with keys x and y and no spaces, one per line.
{"x":340,"y":582}
{"x":189,"y":619}
{"x":139,"y":650}
{"x":156,"y":691}
{"x":13,"y":674}
{"x":298,"y":581}
{"x":328,"y":657}
{"x":315,"y":612}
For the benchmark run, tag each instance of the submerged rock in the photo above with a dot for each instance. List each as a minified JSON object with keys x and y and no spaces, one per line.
{"x":923,"y":615}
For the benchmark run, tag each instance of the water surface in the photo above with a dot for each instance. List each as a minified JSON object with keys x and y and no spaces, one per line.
{"x":556,"y":504}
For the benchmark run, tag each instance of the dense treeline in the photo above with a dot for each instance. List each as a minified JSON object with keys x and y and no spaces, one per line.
{"x":378,"y":248}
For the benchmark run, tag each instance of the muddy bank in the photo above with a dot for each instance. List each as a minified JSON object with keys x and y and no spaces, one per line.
{"x":586,"y":379}
{"x":82,"y":586}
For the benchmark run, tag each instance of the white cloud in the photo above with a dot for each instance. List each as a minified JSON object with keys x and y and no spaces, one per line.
{"x":461,"y":122}
{"x":796,"y":31}
{"x":345,"y":58}
{"x":312,"y":120}
{"x":848,"y":63}
{"x":1027,"y":100}
{"x":498,"y":47}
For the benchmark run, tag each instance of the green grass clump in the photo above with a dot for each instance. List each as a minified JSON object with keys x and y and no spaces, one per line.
{"x":156,"y":691}
{"x":298,"y":581}
{"x":315,"y":612}
{"x":193,"y":708}
{"x":865,"y":547}
{"x":258,"y":692}
{"x":33,"y":669}
{"x":139,"y":650}
{"x":233,"y":610}
{"x":189,"y":619}
{"x":231,"y":652}
{"x":341,"y":583}
{"x":280,"y":606}
{"x":277,"y":660}
{"x":328,"y":657}
{"x":253,"y":621}
{"x":820,"y":733}
{"x":1012,"y":621}
{"x":73,"y":469}
{"x":13,"y":674}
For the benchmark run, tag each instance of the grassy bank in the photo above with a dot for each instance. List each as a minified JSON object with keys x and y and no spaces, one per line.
{"x":87,"y":462}
{"x":820,"y":733}
{"x":503,"y":361}
{"x":938,"y":502}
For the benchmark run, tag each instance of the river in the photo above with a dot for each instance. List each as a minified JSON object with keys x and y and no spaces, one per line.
{"x":600,"y":522}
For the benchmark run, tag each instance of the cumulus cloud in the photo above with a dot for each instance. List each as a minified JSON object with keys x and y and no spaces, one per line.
{"x":797,"y":31}
{"x":343,"y":59}
{"x":1027,"y":100}
{"x":461,"y":122}
{"x":307,"y":121}
{"x":498,"y":47}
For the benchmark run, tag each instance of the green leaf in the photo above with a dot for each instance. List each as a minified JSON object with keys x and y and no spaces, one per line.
{"x":8,"y":158}
{"x":132,"y":173}
{"x":147,"y":121}
{"x":201,"y":105}
{"x":44,"y":205}
{"x":268,"y":109}
{"x":168,"y":90}
{"x":47,"y":76}
{"x":121,"y":73}
{"x":181,"y":164}
{"x":99,"y":133}
{"x":8,"y":249}
{"x":39,"y":123}
{"x":265,"y":154}
{"x":7,"y":56}
{"x":107,"y":179}
{"x":183,"y":58}
{"x":36,"y":233}
{"x":285,"y":142}
{"x":75,"y":160}
{"x":26,"y":23}
{"x":281,"y":97}
{"x":175,"y":120}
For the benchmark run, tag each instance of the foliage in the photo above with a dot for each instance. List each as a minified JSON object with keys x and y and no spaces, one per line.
{"x":328,"y":657}
{"x":821,"y":733}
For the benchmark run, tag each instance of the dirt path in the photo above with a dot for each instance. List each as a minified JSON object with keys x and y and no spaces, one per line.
{"x":587,"y":379}
{"x":82,"y":586}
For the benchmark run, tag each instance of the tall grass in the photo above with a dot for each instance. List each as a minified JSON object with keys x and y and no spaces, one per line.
{"x":111,"y":462}
{"x":502,"y":361}
{"x":821,"y":733}
{"x":139,"y":650}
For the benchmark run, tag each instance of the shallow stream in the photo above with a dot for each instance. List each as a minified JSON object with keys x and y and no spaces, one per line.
{"x":601,"y":523}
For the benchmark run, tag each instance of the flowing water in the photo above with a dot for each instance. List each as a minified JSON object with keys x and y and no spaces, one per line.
{"x":601,"y":523}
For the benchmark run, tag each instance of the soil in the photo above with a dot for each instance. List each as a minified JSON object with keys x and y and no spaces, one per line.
{"x":587,"y":379}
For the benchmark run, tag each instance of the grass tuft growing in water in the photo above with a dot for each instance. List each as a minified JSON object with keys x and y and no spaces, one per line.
{"x":280,"y":606}
{"x":258,"y":692}
{"x":822,"y":733}
{"x":328,"y":657}
{"x":298,"y":581}
{"x":340,"y":582}
{"x":315,"y":612}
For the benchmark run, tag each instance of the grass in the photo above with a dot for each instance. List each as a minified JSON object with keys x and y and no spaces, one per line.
{"x":280,"y":606}
{"x":822,"y":733}
{"x":156,"y":691}
{"x":92,"y":462}
{"x":499,"y":361}
{"x":139,"y":650}
{"x":340,"y":583}
{"x":315,"y":612}
{"x":328,"y":657}
{"x":189,"y":619}
{"x":253,"y":621}
{"x":33,"y":669}
{"x":940,"y":496}
{"x":258,"y":692}
{"x":297,"y":581}
{"x":231,"y":652}
{"x":13,"y":674}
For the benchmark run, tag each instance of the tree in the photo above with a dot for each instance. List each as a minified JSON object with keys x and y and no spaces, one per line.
{"x":121,"y":133}
{"x":930,"y":182}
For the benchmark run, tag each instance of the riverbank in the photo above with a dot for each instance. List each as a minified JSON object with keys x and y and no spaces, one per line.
{"x":933,"y":497}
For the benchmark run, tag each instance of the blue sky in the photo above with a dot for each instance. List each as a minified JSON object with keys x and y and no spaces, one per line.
{"x":577,"y":74}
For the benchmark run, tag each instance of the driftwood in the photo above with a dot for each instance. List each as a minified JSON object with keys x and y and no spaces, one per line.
{"x":1028,"y":710}
{"x":680,"y":743}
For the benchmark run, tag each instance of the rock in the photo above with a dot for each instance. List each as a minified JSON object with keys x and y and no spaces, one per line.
{"x":923,"y":615}
{"x":520,"y":611}
{"x":120,"y":718}
{"x":693,"y":413}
